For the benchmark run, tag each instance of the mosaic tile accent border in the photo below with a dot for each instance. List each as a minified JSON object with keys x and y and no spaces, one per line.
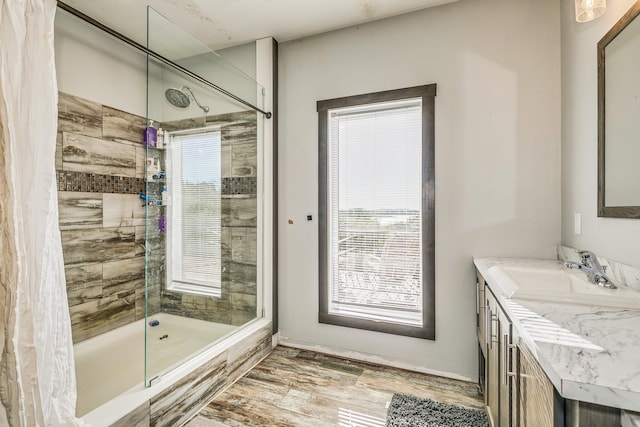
{"x":98,"y":183}
{"x":240,"y":185}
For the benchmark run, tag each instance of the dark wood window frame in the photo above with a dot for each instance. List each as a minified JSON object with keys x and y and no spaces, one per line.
{"x":427,"y":93}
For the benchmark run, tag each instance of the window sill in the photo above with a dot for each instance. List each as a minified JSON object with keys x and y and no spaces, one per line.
{"x":377,"y":326}
{"x":193,"y":289}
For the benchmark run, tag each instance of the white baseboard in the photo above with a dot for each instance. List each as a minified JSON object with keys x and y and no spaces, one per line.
{"x":365,"y":357}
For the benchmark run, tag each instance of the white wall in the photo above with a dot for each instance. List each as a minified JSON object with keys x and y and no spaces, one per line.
{"x":497,"y":67}
{"x":243,"y":57}
{"x":613,"y":238}
{"x":93,"y":66}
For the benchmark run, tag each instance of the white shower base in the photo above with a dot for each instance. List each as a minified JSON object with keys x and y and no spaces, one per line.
{"x":112,"y":363}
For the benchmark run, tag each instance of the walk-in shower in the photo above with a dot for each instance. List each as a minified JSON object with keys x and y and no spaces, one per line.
{"x":180,"y":225}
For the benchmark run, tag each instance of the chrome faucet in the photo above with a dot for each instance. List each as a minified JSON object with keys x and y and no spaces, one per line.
{"x":592,"y":268}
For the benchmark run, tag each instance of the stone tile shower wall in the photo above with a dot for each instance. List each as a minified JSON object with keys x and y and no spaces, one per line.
{"x":100,"y":162}
{"x":238,"y":302}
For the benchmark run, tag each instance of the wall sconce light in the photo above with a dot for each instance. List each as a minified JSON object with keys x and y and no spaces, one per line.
{"x":588,"y":10}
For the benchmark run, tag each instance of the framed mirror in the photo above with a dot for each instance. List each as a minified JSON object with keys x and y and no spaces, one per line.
{"x":619,"y":118}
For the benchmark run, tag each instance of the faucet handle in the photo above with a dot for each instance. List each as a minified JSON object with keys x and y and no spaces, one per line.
{"x":587,"y":256}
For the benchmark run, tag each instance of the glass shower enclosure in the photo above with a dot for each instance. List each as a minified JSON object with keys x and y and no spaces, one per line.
{"x":202,"y":199}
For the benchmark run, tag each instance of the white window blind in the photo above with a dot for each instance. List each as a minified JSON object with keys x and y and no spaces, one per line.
{"x":194,"y":212}
{"x":375,"y":211}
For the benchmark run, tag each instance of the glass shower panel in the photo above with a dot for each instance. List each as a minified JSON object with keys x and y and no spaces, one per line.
{"x":202,"y":176}
{"x":177,"y":45}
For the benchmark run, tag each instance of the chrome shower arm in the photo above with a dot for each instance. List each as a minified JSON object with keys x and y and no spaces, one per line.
{"x":203,"y":107}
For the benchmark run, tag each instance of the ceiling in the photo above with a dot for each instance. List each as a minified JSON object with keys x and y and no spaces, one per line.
{"x":224,"y":23}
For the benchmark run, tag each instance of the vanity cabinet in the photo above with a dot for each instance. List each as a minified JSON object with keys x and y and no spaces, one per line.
{"x":498,"y":361}
{"x":507,"y":370}
{"x":481,"y":328}
{"x":538,"y":404}
{"x":481,"y":323}
{"x":492,"y":394}
{"x":517,"y":392}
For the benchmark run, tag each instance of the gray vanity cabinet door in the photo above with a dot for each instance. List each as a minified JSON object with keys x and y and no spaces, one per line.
{"x":492,"y":393}
{"x":505,"y":329}
{"x":481,"y":315}
{"x":536,"y":400}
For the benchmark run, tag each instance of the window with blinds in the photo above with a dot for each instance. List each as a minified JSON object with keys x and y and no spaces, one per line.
{"x":376,"y":212}
{"x":194,"y":226}
{"x":375,"y":220}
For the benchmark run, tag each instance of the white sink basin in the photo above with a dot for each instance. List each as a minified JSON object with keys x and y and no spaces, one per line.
{"x":562,"y":285}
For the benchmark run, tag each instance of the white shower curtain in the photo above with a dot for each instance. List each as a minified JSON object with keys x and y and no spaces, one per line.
{"x":37,"y":378}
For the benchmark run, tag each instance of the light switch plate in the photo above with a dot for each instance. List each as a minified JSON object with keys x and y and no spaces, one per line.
{"x":577,"y":223}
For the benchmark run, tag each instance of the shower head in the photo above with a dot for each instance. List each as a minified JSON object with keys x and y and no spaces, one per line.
{"x":182,"y":97}
{"x":177,"y":98}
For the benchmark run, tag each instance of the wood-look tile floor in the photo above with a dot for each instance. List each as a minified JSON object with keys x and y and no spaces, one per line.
{"x":301,"y":388}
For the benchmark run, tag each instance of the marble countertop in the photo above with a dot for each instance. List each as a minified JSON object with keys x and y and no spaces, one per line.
{"x":590,"y":353}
